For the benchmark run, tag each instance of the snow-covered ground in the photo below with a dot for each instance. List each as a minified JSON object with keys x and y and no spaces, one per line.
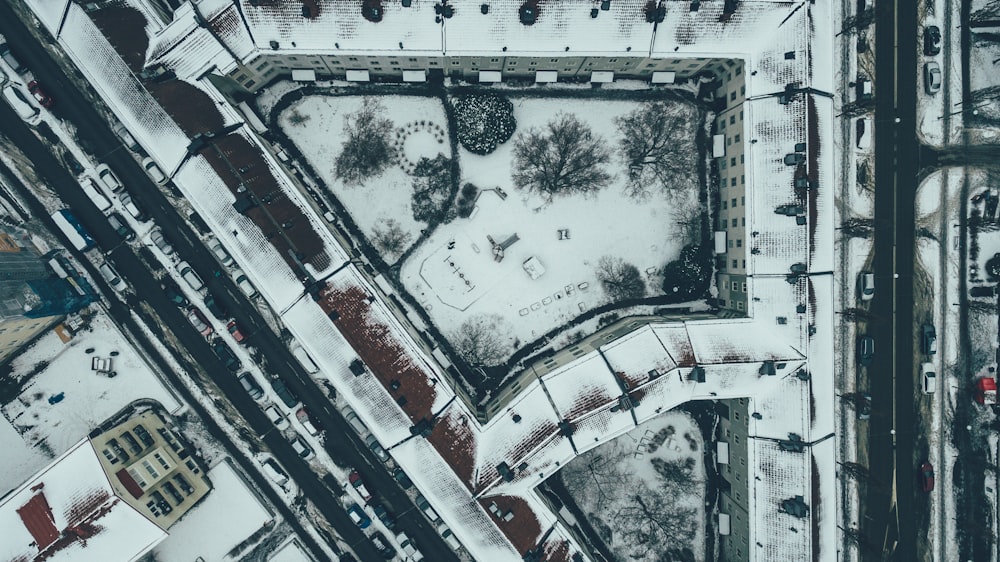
{"x":630,"y":486}
{"x":50,"y":425}
{"x":198,"y":535}
{"x":453,"y":274}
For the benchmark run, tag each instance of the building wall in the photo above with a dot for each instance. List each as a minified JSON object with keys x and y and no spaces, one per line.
{"x":732,"y":266}
{"x":17,"y":331}
{"x":161,"y":464}
{"x":733,"y":497}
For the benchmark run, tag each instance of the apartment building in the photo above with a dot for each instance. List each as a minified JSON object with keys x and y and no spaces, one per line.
{"x":734,"y":502}
{"x":731,"y":259}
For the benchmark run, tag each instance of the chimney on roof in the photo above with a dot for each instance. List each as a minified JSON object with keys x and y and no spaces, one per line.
{"x":484,"y":9}
{"x":697,"y":374}
{"x":528,"y":13}
{"x":504,"y":470}
{"x":767,"y":369}
{"x":274,"y":45}
{"x":357,"y":367}
{"x":795,"y":507}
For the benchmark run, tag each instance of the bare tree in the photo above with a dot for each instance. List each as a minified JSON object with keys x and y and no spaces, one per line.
{"x":431,"y":189}
{"x":855,"y":314}
{"x":657,"y":519}
{"x":367,"y":152}
{"x":621,"y":280}
{"x":857,"y":227}
{"x":854,"y":470}
{"x":689,"y":216}
{"x":480,"y":339}
{"x":658,"y":140}
{"x":564,"y":156}
{"x":390,"y":239}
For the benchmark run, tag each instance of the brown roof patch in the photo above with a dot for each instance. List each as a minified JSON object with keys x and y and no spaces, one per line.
{"x":524,"y":530}
{"x":125,"y":29}
{"x":454,"y":441}
{"x":192,"y":109}
{"x":378,"y":347}
{"x":556,"y":552}
{"x":539,"y":435}
{"x":588,"y":399}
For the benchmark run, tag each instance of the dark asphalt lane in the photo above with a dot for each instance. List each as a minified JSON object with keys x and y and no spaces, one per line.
{"x":890,"y":508}
{"x":343,"y":444}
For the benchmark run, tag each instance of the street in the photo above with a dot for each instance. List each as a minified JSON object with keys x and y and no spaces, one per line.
{"x":96,"y":136}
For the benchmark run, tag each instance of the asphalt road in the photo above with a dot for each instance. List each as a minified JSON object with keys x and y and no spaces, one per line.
{"x":342,"y":443}
{"x":890,"y":506}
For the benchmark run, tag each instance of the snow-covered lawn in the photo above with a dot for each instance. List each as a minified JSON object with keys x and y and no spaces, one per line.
{"x":316,"y":125}
{"x":648,"y":483}
{"x":454,"y":273}
{"x":66,"y":400}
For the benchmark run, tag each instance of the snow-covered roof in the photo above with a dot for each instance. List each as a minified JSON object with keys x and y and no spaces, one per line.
{"x":69,"y":511}
{"x":187,"y":48}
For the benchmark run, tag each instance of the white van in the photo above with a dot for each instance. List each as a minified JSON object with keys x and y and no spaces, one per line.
{"x":274,"y":471}
{"x":109,"y":179}
{"x":189,"y":276}
{"x":246,"y":286}
{"x":307,"y":363}
{"x":17,"y":100}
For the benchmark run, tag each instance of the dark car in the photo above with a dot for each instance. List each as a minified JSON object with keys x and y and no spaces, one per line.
{"x":121,"y":227}
{"x":173,"y":292}
{"x":932,"y":40}
{"x":926,"y":477}
{"x":789,"y":210}
{"x":283,"y":393}
{"x":983,"y":291}
{"x":39,"y":94}
{"x":216,"y":308}
{"x":387,"y":519}
{"x":402,"y":478}
{"x":226,"y":355}
{"x":928,"y":339}
{"x":794,"y":159}
{"x":383,"y":546}
{"x":866,"y":350}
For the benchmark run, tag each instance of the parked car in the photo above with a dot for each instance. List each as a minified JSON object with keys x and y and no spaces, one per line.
{"x":863,"y":133}
{"x":926,"y":477}
{"x":928,"y":339}
{"x":384,"y":516}
{"x":425,"y":506}
{"x":277,"y":418}
{"x":866,"y":285}
{"x":234,"y":330}
{"x":929,"y":378}
{"x":307,"y":421}
{"x":126,"y":137}
{"x":121,"y":227}
{"x":173,"y":292}
{"x":216,"y":308}
{"x":383,"y":546}
{"x":220,"y":252}
{"x":299,"y":446}
{"x":283,"y":393}
{"x":111,"y":277}
{"x":355,"y":479}
{"x":39,"y":94}
{"x":108,"y":178}
{"x":8,"y":57}
{"x":244,"y":284}
{"x":794,"y":158}
{"x":865,"y":407}
{"x":226,"y":355}
{"x":932,"y":77}
{"x":409,"y":549}
{"x":402,"y":479}
{"x":131,"y":207}
{"x":932,"y":40}
{"x":198,"y":320}
{"x":189,"y":276}
{"x":250,"y":385}
{"x":274,"y":471}
{"x":158,"y":240}
{"x":377,"y":448}
{"x":448,"y":536}
{"x":359,"y":516}
{"x":356,"y":423}
{"x":866,"y":350}
{"x":154,"y":171}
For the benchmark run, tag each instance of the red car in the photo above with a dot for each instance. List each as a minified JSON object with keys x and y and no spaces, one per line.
{"x":234,"y":330}
{"x":198,"y":320}
{"x":359,"y":485}
{"x":44,"y":99}
{"x":926,"y":477}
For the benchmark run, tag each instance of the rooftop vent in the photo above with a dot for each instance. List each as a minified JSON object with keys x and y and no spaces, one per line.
{"x":528,"y":14}
{"x":605,"y":5}
{"x":594,"y":12}
{"x":795,"y":507}
{"x":306,"y":12}
{"x":697,"y":374}
{"x":372,"y":10}
{"x":694,"y":6}
{"x":484,"y":9}
{"x":504,"y":470}
{"x":767,"y":369}
{"x":274,"y":45}
{"x":566,"y":428}
{"x":357,"y":367}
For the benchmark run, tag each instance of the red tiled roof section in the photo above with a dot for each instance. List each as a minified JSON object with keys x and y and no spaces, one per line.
{"x":523,"y":530}
{"x":632,"y":380}
{"x":556,"y":552}
{"x":238,"y":162}
{"x":455,"y":442}
{"x":125,"y":29}
{"x":192,"y":109}
{"x":539,"y":435}
{"x":812,"y":124}
{"x":37,"y":518}
{"x":130,"y":484}
{"x":389,"y":361}
{"x":588,"y":398}
{"x":81,"y":521}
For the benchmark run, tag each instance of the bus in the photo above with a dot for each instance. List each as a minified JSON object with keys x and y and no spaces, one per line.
{"x":73,"y":230}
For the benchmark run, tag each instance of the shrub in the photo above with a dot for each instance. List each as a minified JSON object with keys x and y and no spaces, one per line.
{"x":466,"y":200}
{"x":484,"y":122}
{"x":688,"y":276}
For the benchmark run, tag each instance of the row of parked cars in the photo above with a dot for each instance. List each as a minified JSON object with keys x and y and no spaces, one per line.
{"x":12,"y":94}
